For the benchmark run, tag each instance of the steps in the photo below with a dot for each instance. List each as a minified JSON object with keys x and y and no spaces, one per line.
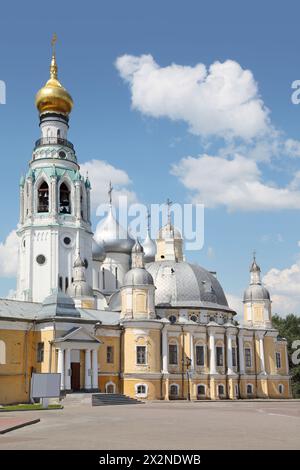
{"x":104,"y":399}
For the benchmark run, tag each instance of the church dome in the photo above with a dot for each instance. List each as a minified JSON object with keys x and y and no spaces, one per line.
{"x":114,"y":237}
{"x":137,"y":277}
{"x":256,"y":292}
{"x":169,"y":231}
{"x":185,"y":285}
{"x":149,"y":249}
{"x":98,"y":251}
{"x":53,"y":97}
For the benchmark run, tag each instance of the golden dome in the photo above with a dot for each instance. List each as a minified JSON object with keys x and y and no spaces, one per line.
{"x":53,"y":97}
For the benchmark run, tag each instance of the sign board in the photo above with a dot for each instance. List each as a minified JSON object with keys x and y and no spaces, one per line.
{"x":45,"y":385}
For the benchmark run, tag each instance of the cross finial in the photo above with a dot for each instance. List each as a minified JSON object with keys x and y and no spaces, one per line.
{"x":110,"y":190}
{"x":254,"y":255}
{"x":148,"y":218}
{"x":53,"y":42}
{"x":169,"y":204}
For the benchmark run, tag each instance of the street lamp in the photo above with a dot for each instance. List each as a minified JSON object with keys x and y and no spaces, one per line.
{"x":188,"y":364}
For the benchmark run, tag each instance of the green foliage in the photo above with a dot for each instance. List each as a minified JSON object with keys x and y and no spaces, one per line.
{"x":289,"y":328}
{"x":29,"y":406}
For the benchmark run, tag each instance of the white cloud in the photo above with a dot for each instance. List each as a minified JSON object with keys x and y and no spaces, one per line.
{"x":236,"y":184}
{"x":284,"y":289}
{"x":100,"y":174}
{"x":9,"y":255}
{"x":222,"y":100}
{"x":236,"y":304}
{"x":292,"y":148}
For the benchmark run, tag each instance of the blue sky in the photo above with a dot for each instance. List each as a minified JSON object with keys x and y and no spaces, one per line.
{"x":259,"y":36}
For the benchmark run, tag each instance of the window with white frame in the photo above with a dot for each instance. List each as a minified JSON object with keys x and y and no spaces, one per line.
{"x":278,"y":360}
{"x":199,"y":355}
{"x":221,"y":390}
{"x":280,"y":388}
{"x":40,"y":352}
{"x":2,"y":352}
{"x":249,"y":389}
{"x":173,"y":356}
{"x":141,"y":390}
{"x":109,"y":354}
{"x":219,"y":353}
{"x":248,"y":361}
{"x":141,"y":355}
{"x":234,"y":362}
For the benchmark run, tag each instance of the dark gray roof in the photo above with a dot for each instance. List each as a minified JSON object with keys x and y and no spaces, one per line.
{"x":256,"y":292}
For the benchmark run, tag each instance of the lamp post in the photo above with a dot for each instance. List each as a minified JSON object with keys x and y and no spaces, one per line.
{"x":188,"y":365}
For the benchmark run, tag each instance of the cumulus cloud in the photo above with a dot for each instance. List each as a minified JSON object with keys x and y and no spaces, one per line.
{"x":235,"y":303}
{"x":284,"y":288}
{"x":221,"y":100}
{"x":234,"y":183}
{"x":100,"y":174}
{"x":9,"y":255}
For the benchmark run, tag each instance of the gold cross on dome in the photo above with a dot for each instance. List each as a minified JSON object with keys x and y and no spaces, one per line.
{"x":53,"y":42}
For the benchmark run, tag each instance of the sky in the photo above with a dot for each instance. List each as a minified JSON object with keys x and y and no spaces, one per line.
{"x":187,"y":100}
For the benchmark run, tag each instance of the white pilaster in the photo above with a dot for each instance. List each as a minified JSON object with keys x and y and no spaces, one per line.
{"x":165,"y":350}
{"x":61,"y":368}
{"x":95,"y":368}
{"x":241,"y":355}
{"x":192,"y":351}
{"x":212,"y":350}
{"x":68,"y":369}
{"x":229,"y":355}
{"x":262,"y":355}
{"x":87,"y":376}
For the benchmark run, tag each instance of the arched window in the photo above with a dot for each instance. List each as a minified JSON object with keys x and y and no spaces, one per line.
{"x":2,"y":352}
{"x":221,"y":391}
{"x":280,"y":388}
{"x":200,"y":390}
{"x":141,"y":390}
{"x":64,"y":199}
{"x":249,"y":389}
{"x":173,"y":391}
{"x":58,"y":133}
{"x":110,"y":387}
{"x":43,"y":197}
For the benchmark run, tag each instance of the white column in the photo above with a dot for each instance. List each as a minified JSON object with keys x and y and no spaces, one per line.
{"x":87,"y":377}
{"x":68,"y":369}
{"x":22,"y":204}
{"x":212,"y":362}
{"x":262,"y":355}
{"x":95,"y":368}
{"x":60,"y":368}
{"x":192,"y":351}
{"x":241,"y":355}
{"x":165,"y":350}
{"x":229,"y":355}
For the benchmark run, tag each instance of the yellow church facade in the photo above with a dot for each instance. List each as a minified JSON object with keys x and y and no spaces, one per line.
{"x":114,"y":315}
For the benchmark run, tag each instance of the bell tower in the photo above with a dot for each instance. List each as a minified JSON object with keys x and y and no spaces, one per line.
{"x":54,"y":201}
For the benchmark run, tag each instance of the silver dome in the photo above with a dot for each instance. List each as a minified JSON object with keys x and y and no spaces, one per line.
{"x":114,"y":237}
{"x":137,"y":277}
{"x":80,"y":289}
{"x":149,"y":249}
{"x":137,"y":247}
{"x":98,"y":251}
{"x":184,"y":284}
{"x":256,"y":292}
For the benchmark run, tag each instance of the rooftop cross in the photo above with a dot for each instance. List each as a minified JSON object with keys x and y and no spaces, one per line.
{"x":110,"y":190}
{"x":53,"y":42}
{"x":169,"y":204}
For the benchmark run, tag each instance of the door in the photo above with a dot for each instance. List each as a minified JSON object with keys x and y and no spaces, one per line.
{"x":75,"y":377}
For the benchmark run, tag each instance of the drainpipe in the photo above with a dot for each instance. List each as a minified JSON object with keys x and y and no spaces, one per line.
{"x":182,"y":363}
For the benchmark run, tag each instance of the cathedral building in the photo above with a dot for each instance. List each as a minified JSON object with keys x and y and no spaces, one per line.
{"x":118,"y":315}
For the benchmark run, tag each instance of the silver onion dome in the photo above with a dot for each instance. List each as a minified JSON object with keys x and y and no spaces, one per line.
{"x":149,"y":249}
{"x":138,"y":277}
{"x":98,"y":251}
{"x":256,"y":292}
{"x":114,"y":237}
{"x":137,"y":247}
{"x":186,"y":285}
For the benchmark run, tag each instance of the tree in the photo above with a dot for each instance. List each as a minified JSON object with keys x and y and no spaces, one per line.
{"x":289,"y":328}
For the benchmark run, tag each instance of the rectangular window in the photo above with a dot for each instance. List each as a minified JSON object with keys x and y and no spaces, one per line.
{"x":173,"y":354}
{"x":141,"y":355}
{"x":233,"y":357}
{"x":40,"y":352}
{"x":278,"y":360}
{"x":219,"y":351}
{"x":248,"y":362}
{"x":110,"y":354}
{"x":200,"y":355}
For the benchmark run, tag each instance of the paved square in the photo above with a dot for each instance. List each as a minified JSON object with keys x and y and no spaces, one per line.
{"x":161,"y":425}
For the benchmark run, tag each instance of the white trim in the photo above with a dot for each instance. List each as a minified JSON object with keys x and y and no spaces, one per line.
{"x":146,"y":355}
{"x":143,"y":394}
{"x":177,"y":387}
{"x":221,"y":394}
{"x":201,"y":385}
{"x":252,"y":389}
